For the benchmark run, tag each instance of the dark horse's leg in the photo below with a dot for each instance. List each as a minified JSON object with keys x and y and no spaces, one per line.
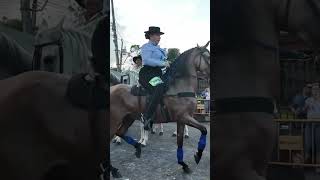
{"x":202,"y":141}
{"x":180,"y":131}
{"x":126,"y":123}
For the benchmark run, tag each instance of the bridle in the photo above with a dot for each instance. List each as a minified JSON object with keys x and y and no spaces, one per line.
{"x":205,"y":59}
{"x":36,"y":62}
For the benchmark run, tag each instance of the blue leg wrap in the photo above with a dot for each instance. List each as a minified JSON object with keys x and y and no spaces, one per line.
{"x":180,"y":154}
{"x":202,"y":142}
{"x":129,"y":140}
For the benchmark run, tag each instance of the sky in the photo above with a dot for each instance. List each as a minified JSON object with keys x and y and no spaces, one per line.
{"x":185,"y":23}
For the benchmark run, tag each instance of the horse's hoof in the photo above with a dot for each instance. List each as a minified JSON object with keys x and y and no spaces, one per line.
{"x":143,"y":145}
{"x":174,"y":135}
{"x":197,"y":158}
{"x":186,"y":136}
{"x":118,"y":142}
{"x":138,"y":150}
{"x":187,"y":170}
{"x":160,"y":133}
{"x":153,"y":132}
{"x":115,"y":173}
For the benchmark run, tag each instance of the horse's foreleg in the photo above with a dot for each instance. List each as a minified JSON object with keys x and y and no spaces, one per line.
{"x":202,"y":141}
{"x":145,"y":137}
{"x":180,"y":129}
{"x":142,"y":132}
{"x":121,"y":133}
{"x":161,"y":129}
{"x":186,"y":131}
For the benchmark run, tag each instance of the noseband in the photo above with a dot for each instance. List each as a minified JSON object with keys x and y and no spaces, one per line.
{"x":36,"y":62}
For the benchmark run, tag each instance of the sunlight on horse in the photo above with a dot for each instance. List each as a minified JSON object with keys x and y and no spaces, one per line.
{"x":179,"y":100}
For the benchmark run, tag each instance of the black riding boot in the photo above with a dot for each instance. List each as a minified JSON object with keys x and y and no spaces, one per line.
{"x":151,"y":109}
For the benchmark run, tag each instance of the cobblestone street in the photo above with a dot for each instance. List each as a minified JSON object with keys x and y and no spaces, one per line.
{"x":158,"y":159}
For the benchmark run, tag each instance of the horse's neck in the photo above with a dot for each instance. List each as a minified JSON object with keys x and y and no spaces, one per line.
{"x":78,"y":47}
{"x":186,"y":84}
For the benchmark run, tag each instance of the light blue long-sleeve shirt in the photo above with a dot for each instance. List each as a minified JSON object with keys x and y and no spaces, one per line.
{"x":153,"y":55}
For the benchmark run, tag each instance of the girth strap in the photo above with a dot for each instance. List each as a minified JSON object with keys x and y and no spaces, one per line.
{"x":244,"y":104}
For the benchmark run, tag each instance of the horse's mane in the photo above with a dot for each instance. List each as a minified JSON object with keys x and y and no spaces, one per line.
{"x":77,"y":46}
{"x":178,"y":68}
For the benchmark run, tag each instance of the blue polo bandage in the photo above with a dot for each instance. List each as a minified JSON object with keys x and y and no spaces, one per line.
{"x":202,"y":142}
{"x":130,"y":140}
{"x":180,"y":154}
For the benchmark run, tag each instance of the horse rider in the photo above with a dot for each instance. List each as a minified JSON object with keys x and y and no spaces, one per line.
{"x":137,"y":63}
{"x":153,"y":59}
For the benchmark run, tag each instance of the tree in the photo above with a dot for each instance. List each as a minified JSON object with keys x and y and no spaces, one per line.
{"x":173,"y":53}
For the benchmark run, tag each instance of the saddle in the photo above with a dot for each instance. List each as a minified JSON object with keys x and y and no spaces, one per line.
{"x":138,"y":91}
{"x":81,"y":93}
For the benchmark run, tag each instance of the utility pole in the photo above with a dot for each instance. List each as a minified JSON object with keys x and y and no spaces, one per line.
{"x":115,"y":37}
{"x":26,"y":16}
{"x":34,"y":15}
{"x":121,"y":53}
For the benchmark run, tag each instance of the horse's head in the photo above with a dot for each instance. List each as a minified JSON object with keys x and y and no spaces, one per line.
{"x":48,"y":42}
{"x":303,"y":17}
{"x":201,"y":60}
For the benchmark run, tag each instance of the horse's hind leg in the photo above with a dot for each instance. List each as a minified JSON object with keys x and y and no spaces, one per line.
{"x":121,"y":133}
{"x":180,"y":129}
{"x":202,"y":141}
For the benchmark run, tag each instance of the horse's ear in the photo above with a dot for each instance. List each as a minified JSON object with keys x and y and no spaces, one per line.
{"x":198,"y":45}
{"x":205,"y":46}
{"x":60,"y":24}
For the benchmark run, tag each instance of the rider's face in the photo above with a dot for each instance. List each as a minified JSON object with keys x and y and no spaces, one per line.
{"x":155,"y":38}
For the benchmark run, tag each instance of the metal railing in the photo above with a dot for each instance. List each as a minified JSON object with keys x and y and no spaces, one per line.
{"x":297,"y":142}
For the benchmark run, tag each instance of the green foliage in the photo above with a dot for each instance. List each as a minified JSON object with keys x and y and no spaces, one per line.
{"x":173,"y":53}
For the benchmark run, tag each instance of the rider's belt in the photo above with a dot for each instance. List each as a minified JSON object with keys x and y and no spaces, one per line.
{"x":244,"y":104}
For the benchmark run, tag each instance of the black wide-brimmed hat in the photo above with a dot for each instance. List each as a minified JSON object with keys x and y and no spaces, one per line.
{"x":136,"y":58}
{"x":154,"y":30}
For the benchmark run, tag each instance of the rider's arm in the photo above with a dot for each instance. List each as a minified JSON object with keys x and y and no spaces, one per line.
{"x":146,"y":54}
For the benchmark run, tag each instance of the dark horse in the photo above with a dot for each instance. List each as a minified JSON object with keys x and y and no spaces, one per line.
{"x":179,"y":100}
{"x":45,"y":134}
{"x":246,"y":72}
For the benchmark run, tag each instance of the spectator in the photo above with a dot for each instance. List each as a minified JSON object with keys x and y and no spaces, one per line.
{"x":312,"y":107}
{"x":298,"y":103}
{"x":206,"y":97}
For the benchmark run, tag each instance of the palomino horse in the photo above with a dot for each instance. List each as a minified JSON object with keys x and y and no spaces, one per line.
{"x":43,"y":135}
{"x":246,"y":72}
{"x":179,"y":100}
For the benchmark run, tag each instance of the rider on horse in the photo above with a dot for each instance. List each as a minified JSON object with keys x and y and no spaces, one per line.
{"x":153,"y":59}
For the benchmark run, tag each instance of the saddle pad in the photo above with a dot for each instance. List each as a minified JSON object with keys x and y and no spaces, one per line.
{"x":78,"y":93}
{"x":138,"y":91}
